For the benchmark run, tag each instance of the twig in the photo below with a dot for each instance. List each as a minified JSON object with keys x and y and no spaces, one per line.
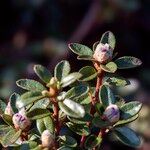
{"x":56,"y":116}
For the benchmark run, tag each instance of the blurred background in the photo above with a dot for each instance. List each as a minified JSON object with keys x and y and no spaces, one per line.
{"x":38,"y":31}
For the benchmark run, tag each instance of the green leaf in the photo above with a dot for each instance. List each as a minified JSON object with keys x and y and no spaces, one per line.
{"x":130,"y":109}
{"x":38,"y":113}
{"x":30,"y":85}
{"x":62,"y":69}
{"x":99,"y":108}
{"x":106,"y":95}
{"x":7,"y":119}
{"x":13,"y":99}
{"x":4,"y":129}
{"x":42,"y":73}
{"x":77,"y":92}
{"x":65,"y":148}
{"x":117,"y":81}
{"x":80,"y":49}
{"x":45,"y":123}
{"x":86,"y":57}
{"x":119,"y":101}
{"x":127,"y":62}
{"x":92,"y":141}
{"x":98,"y":122}
{"x":68,"y":141}
{"x":87,"y":99}
{"x":72,"y":108}
{"x":28,"y":98}
{"x":110,"y":67}
{"x":2,"y":107}
{"x":109,"y":38}
{"x":127,"y":136}
{"x":84,"y":120}
{"x":31,"y":145}
{"x":88,"y":73}
{"x":123,"y":122}
{"x":79,"y":129}
{"x":71,"y":78}
{"x":43,"y":104}
{"x":84,"y":100}
{"x":11,"y":137}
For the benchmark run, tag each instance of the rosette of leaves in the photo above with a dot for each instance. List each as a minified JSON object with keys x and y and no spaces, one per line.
{"x":74,"y":113}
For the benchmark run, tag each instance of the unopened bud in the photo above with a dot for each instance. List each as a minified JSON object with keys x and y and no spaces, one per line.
{"x":112,"y":113}
{"x":8,"y":110}
{"x":47,"y":139}
{"x":53,"y":82}
{"x":103,"y":53}
{"x":21,"y":121}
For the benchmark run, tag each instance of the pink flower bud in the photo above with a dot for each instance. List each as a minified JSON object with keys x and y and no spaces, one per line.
{"x":112,"y":113}
{"x":47,"y":139}
{"x":103,"y":53}
{"x":8,"y":110}
{"x":21,"y":121}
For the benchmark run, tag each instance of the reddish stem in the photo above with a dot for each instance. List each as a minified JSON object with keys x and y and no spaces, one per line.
{"x":56,"y":117}
{"x":94,"y":99}
{"x":83,"y":138}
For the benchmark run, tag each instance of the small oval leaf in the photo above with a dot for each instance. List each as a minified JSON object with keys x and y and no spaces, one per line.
{"x":92,"y":141}
{"x":13,"y":99}
{"x":28,"y":98}
{"x":127,"y":136}
{"x":72,"y":108}
{"x":62,"y":69}
{"x":130,"y":109}
{"x":2,"y":107}
{"x":42,"y":73}
{"x":77,"y":92}
{"x":80,"y":49}
{"x":88,"y":73}
{"x":127,"y":62}
{"x":109,"y":38}
{"x":38,"y":113}
{"x":126,"y":121}
{"x":106,"y":95}
{"x":86,"y":57}
{"x":11,"y":137}
{"x":117,"y":81}
{"x":7,"y":119}
{"x":68,"y":141}
{"x":98,"y":122}
{"x":71,"y":78}
{"x":45,"y":123}
{"x":110,"y":67}
{"x":79,"y":129}
{"x":30,"y":85}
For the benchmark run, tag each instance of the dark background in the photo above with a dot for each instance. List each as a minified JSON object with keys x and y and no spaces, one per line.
{"x":38,"y":31}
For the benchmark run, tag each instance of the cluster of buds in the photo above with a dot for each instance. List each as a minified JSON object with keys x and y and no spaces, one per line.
{"x":47,"y":139}
{"x":112,"y":114}
{"x":53,"y":88}
{"x":20,"y":121}
{"x":103,"y":53}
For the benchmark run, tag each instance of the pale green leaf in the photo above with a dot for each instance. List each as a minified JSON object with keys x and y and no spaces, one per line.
{"x":62,"y":69}
{"x":42,"y":73}
{"x":80,"y":49}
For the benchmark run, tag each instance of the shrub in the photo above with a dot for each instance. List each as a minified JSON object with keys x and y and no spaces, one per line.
{"x":50,"y":116}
